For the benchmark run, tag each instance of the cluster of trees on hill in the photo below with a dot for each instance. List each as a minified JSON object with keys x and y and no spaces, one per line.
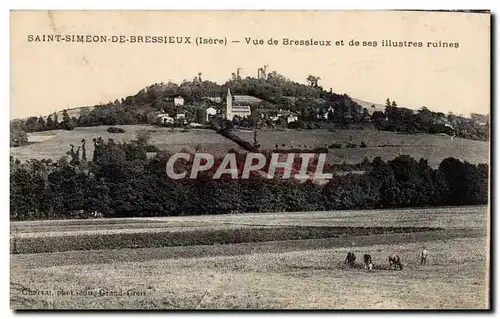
{"x":276,"y":91}
{"x":401,"y":119}
{"x":120,"y":181}
{"x":20,"y":128}
{"x":53,"y":122}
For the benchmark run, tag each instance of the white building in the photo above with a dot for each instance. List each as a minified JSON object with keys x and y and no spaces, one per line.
{"x":211,"y":111}
{"x":292,"y":118}
{"x":330,"y":110}
{"x":178,"y":101}
{"x":165,"y":118}
{"x":181,"y":117}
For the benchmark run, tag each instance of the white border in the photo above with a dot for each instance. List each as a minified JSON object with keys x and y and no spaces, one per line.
{"x":189,"y":5}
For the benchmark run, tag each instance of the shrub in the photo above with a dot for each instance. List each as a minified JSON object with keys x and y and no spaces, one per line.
{"x":18,"y":135}
{"x":69,"y":126}
{"x":362,"y":144}
{"x":142,"y":135}
{"x":113,"y":129}
{"x":152,"y":148}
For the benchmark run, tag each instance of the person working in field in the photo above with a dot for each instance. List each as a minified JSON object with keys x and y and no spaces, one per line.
{"x":423,"y":256}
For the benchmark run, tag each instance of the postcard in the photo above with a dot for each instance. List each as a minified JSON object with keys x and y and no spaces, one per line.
{"x":250,"y":160}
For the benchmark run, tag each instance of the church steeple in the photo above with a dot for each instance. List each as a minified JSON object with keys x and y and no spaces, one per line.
{"x":229,"y":105}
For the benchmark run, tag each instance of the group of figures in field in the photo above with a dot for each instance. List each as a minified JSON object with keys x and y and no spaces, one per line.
{"x":394,"y":260}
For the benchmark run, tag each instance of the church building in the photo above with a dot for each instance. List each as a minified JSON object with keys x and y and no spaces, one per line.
{"x":237,"y":106}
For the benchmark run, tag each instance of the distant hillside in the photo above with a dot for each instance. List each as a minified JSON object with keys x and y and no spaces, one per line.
{"x":73,"y":112}
{"x":370,"y":106}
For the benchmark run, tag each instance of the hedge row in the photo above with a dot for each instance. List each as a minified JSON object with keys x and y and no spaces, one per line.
{"x":193,"y":238}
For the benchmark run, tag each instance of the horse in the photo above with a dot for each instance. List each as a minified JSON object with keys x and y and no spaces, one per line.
{"x":368,"y":261}
{"x":394,"y":260}
{"x":350,"y":258}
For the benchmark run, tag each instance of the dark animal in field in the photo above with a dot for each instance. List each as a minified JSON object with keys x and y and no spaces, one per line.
{"x":394,"y":261}
{"x":368,"y":261}
{"x":350,"y":259}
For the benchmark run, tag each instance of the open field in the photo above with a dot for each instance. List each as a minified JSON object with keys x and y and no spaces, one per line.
{"x":294,"y":274}
{"x":446,"y":217}
{"x":55,"y":144}
{"x":454,"y":278}
{"x":432,"y":147}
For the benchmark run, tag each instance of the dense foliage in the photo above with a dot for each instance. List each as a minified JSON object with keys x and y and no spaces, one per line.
{"x":120,"y":181}
{"x":18,"y":135}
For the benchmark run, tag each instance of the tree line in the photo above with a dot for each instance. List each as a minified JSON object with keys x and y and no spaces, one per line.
{"x":121,"y":181}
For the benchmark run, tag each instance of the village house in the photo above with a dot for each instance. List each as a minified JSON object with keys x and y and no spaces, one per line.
{"x":276,"y":115}
{"x":267,"y":113}
{"x":444,"y":121}
{"x":330,"y":110}
{"x":292,"y":118}
{"x":288,"y":116}
{"x":210,"y":112}
{"x":165,"y":118}
{"x":181,"y":118}
{"x":178,"y":101}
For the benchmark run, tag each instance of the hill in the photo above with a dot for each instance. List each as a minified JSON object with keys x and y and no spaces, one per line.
{"x":278,"y":98}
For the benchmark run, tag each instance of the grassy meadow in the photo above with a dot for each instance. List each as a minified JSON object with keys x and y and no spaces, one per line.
{"x":55,"y":144}
{"x":432,"y":147}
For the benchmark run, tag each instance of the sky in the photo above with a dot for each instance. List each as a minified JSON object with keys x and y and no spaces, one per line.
{"x":51,"y":76}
